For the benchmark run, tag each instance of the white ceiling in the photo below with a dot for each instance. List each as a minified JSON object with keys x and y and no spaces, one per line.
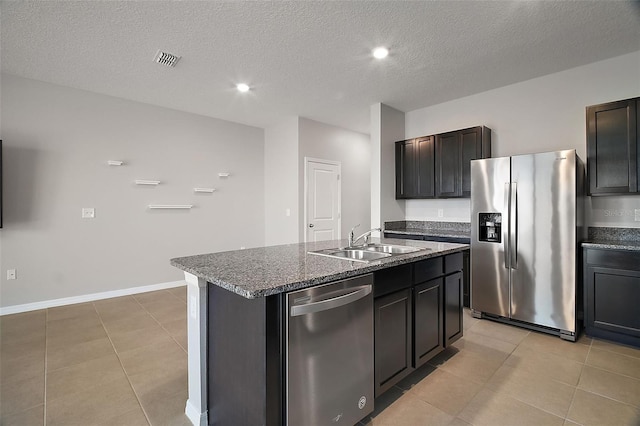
{"x":307,"y":58}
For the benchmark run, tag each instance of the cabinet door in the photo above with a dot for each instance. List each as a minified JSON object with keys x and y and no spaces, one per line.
{"x":453,"y":308}
{"x":426,"y":174}
{"x":471,"y":141}
{"x":612,"y":148}
{"x":392,"y":339}
{"x":406,"y":177}
{"x":428,"y":321}
{"x":448,"y":163}
{"x":466,"y":279}
{"x":612,"y":300}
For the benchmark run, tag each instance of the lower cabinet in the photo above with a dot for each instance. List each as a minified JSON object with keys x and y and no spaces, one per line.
{"x":428,"y":302}
{"x":612,"y":295}
{"x":392,"y":325}
{"x":418,"y":312}
{"x":466,"y":278}
{"x":453,"y":308}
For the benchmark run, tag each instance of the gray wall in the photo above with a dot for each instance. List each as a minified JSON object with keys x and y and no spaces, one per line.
{"x":281,"y":185}
{"x":542,"y":114}
{"x":387,"y":127}
{"x":56,"y":144}
{"x":353,"y":151}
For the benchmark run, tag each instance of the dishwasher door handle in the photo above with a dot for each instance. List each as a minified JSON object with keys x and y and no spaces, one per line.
{"x":334,"y":302}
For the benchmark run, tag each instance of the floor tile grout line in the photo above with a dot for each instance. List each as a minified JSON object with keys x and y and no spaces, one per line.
{"x":617,"y":353}
{"x":635,"y":407}
{"x":609,"y":342}
{"x":146,"y":416}
{"x":575,"y":391}
{"x":617,"y":373}
{"x":158,"y":321}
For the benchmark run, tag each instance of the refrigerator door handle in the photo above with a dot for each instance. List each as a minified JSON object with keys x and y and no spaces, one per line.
{"x":505,"y":232}
{"x":513,"y":224}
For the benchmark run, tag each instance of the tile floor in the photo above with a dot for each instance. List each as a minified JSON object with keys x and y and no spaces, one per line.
{"x":120,"y":361}
{"x":123,"y":362}
{"x":502,"y":375}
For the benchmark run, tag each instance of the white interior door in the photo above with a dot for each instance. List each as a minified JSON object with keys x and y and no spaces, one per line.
{"x":322,"y":200}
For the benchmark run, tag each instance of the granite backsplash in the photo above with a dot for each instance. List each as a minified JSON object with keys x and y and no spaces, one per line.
{"x":427,"y":225}
{"x":613,"y":234}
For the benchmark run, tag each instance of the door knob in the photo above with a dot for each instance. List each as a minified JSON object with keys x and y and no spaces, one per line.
{"x":311,"y":225}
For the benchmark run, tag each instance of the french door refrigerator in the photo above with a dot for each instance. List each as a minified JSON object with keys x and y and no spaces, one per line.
{"x":526,"y":227}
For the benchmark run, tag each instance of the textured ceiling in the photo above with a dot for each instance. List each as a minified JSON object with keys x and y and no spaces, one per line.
{"x":307,"y":58}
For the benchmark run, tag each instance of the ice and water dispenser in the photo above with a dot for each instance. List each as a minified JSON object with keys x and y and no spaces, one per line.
{"x":490,"y":227}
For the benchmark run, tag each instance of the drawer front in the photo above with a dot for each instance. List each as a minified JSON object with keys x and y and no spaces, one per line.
{"x":428,"y":269}
{"x":453,"y":263}
{"x":390,"y":280}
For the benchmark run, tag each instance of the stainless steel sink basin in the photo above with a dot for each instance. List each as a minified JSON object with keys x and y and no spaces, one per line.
{"x":366,"y":253}
{"x":388,"y":248}
{"x":352,"y":254}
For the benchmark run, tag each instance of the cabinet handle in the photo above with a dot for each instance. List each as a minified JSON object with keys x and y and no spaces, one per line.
{"x":332,"y":303}
{"x":311,"y":225}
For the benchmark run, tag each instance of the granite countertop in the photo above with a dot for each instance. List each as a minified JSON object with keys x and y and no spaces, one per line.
{"x":613,"y":238}
{"x":265,"y":271}
{"x":612,"y":244}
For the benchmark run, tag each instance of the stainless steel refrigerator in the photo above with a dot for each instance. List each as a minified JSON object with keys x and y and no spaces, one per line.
{"x":526,"y":227}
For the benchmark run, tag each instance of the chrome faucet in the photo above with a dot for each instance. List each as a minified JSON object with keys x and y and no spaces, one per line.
{"x":366,"y":235}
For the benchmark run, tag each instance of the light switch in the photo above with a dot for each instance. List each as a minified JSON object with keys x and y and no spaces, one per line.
{"x":88,"y":213}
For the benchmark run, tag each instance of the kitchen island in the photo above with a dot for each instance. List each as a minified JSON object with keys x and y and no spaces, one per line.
{"x":235,"y":318}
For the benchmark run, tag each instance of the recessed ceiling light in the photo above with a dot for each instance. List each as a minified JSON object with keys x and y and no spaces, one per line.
{"x":380,"y":52}
{"x":242,"y":87}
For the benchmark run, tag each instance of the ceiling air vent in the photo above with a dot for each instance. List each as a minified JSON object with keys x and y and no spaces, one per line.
{"x":165,"y":58}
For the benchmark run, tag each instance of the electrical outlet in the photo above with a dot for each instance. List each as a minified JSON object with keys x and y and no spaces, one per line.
{"x":11,"y":274}
{"x":637,"y":215}
{"x":440,"y":212}
{"x":88,"y":213}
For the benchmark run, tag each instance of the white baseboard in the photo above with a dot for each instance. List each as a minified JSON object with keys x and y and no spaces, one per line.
{"x":16,"y":309}
{"x":193,"y":414}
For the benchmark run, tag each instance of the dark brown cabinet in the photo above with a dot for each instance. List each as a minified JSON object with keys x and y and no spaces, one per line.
{"x":612,"y":147}
{"x":414,"y":175}
{"x":453,"y":329}
{"x":612,"y":295}
{"x":429,"y":320}
{"x":418,"y":312}
{"x":392,"y":325}
{"x":439,"y":166}
{"x":454,"y":152}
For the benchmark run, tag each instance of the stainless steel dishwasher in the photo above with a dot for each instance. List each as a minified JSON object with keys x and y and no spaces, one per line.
{"x":329,"y":355}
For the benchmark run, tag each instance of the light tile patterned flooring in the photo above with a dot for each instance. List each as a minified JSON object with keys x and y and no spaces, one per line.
{"x":120,"y":361}
{"x":123,"y":362}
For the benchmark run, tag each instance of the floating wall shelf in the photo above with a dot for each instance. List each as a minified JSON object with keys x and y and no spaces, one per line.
{"x":147,"y":182}
{"x":207,"y":190}
{"x":115,"y":162}
{"x":170,"y":206}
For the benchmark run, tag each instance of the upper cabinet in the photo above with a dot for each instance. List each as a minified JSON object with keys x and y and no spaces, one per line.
{"x":414,"y":168}
{"x":612,"y":147}
{"x":439,"y":166}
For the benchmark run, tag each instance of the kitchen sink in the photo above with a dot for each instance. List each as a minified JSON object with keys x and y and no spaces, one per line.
{"x":366,"y":253}
{"x":391,"y":249}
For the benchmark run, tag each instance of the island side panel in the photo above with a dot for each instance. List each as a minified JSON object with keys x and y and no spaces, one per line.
{"x":196,"y":407}
{"x":244,"y":359}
